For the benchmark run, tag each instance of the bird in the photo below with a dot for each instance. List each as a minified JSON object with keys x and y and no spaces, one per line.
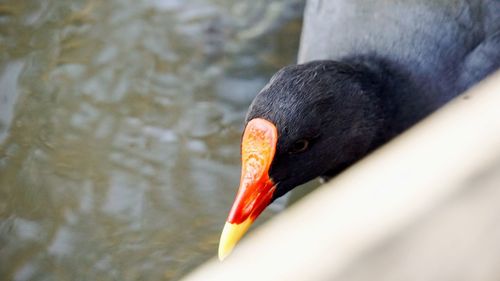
{"x":367,"y":70}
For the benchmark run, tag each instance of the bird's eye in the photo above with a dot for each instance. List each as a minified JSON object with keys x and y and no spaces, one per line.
{"x":299,"y":146}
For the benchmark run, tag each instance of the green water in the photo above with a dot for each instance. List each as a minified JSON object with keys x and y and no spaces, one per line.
{"x":119,"y":130}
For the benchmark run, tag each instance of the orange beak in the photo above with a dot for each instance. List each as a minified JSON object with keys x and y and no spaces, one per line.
{"x":256,"y":188}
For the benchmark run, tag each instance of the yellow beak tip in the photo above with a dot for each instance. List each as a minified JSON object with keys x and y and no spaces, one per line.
{"x":230,"y":236}
{"x":223,"y":254}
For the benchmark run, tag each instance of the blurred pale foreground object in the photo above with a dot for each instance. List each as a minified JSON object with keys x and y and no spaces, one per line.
{"x":425,"y":206}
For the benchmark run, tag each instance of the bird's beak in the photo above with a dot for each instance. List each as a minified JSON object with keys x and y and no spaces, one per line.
{"x":256,"y":188}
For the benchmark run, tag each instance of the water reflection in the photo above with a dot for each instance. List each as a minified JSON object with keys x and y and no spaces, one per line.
{"x":119,"y":130}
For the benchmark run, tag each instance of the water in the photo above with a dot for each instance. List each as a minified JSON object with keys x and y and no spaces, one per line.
{"x":119,"y":130}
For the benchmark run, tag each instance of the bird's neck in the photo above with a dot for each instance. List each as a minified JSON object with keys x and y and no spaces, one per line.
{"x":400,"y":103}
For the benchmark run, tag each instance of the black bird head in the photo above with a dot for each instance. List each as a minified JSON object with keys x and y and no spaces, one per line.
{"x":325,"y":116}
{"x":310,"y":120}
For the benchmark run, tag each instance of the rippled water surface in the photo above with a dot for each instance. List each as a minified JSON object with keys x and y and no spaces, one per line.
{"x":119,"y":130}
